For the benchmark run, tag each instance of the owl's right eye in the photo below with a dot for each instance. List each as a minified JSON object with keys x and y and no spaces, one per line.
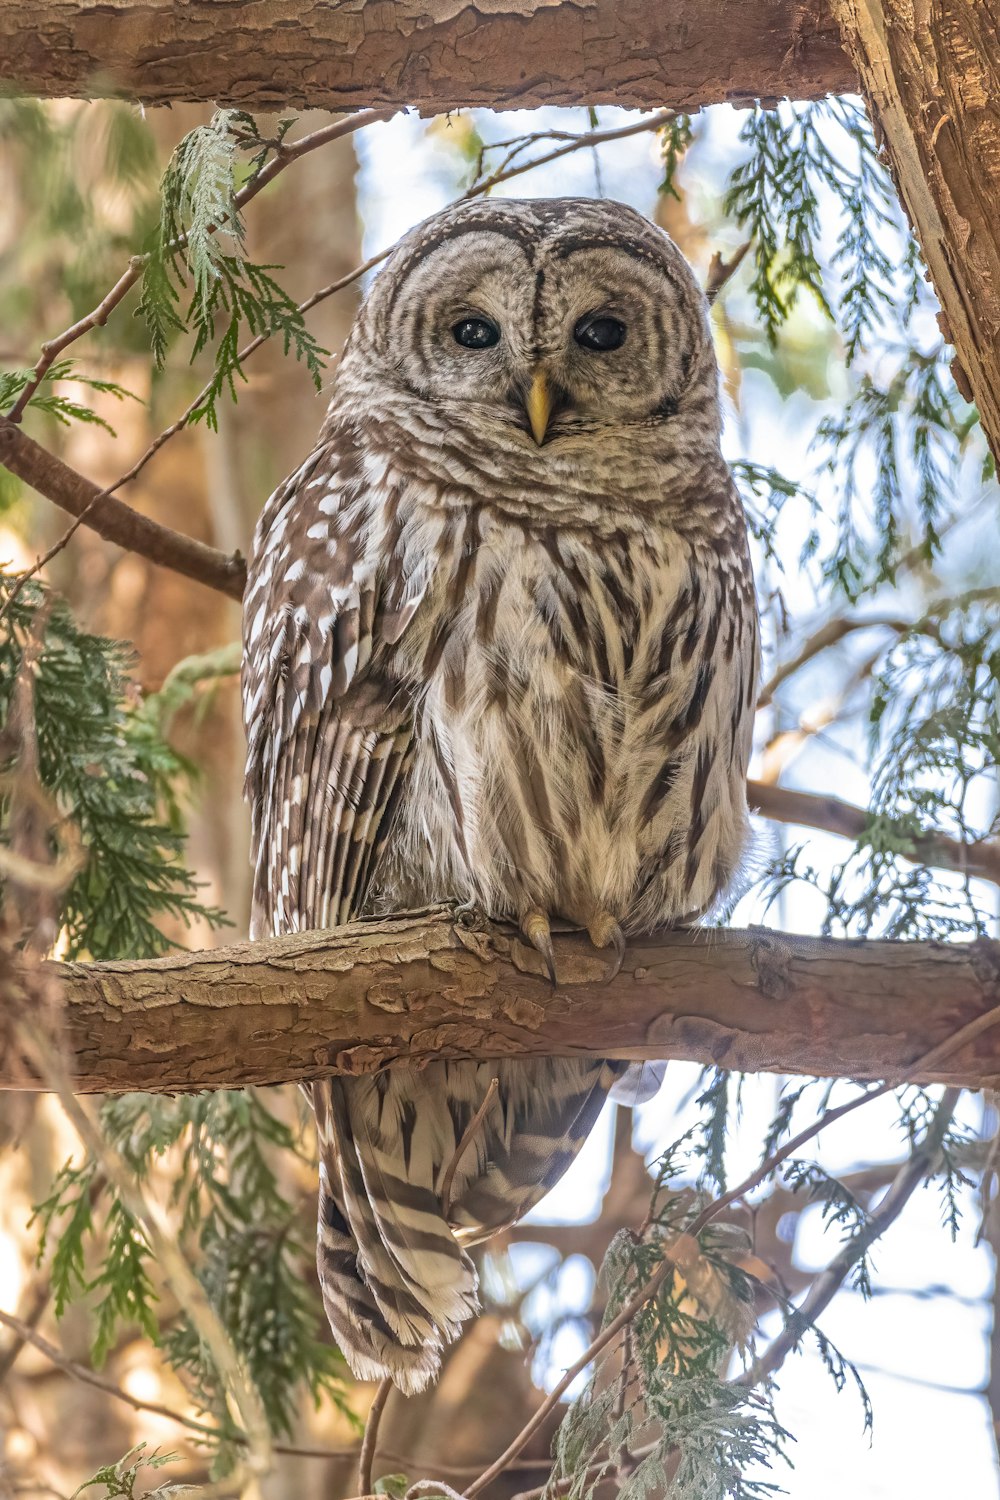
{"x":476,"y":333}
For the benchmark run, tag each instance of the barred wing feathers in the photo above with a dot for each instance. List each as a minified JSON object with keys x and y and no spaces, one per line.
{"x":329,"y":734}
{"x":330,"y":591}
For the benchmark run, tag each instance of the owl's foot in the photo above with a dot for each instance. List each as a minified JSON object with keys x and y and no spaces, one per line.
{"x":535,"y":926}
{"x":605,"y":932}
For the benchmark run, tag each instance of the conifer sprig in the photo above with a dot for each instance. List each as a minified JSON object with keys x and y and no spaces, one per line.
{"x":113,"y":778}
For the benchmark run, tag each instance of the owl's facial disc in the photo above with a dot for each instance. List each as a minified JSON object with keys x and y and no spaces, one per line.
{"x":543,"y":324}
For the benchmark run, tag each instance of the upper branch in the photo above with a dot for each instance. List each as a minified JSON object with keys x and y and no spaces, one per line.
{"x":435,"y":54}
{"x":415,"y":987}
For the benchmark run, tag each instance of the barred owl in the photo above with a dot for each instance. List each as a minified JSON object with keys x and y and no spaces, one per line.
{"x":500,"y":648}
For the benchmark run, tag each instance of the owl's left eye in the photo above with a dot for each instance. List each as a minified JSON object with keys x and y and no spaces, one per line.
{"x":476,"y":333}
{"x":599,"y":335}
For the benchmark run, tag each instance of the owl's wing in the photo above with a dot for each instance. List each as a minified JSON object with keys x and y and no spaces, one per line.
{"x":332,"y":587}
{"x":329,"y":730}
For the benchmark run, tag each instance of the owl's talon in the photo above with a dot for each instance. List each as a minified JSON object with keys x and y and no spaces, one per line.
{"x":535,"y":926}
{"x":605,"y":932}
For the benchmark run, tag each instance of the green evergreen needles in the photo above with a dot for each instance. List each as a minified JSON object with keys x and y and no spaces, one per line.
{"x":110,"y":773}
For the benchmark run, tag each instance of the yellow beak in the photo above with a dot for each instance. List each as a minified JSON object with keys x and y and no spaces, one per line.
{"x":539,"y":405}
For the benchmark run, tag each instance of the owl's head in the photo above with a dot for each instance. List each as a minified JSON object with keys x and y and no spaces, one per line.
{"x":544,"y":323}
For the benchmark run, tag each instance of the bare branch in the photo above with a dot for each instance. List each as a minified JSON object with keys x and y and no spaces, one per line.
{"x":114,"y":520}
{"x":810,"y":810}
{"x":425,"y":985}
{"x":367,"y":1456}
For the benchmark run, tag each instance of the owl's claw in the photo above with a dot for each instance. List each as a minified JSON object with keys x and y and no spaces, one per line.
{"x":535,"y":926}
{"x":605,"y":932}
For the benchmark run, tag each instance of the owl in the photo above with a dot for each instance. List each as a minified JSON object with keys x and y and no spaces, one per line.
{"x":500,"y":649}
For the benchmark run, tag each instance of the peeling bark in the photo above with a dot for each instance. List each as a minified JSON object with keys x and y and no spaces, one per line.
{"x":434,"y":54}
{"x":930,"y":71}
{"x":426,"y":985}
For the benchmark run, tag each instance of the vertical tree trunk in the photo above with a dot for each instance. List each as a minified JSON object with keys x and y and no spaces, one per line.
{"x":930,"y":71}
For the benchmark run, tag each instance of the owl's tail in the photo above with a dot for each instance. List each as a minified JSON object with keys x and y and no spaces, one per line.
{"x":397,"y":1283}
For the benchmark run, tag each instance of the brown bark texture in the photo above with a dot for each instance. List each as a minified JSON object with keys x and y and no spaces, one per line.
{"x":426,"y":985}
{"x":432,"y":54}
{"x":930,"y":71}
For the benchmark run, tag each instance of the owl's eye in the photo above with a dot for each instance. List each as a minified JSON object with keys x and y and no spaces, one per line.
{"x":476,"y":333}
{"x":599,"y":334}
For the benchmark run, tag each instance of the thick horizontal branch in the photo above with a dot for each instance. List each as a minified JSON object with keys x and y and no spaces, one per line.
{"x":114,"y":520}
{"x":425,"y":985}
{"x":434,"y":54}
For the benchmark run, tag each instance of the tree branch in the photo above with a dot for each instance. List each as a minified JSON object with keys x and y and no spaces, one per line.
{"x":435,"y":54}
{"x":782,"y":804}
{"x":114,"y":520}
{"x":419,"y":986}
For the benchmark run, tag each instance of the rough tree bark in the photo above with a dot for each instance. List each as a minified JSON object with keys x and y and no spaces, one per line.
{"x":930,"y":71}
{"x":424,"y":985}
{"x":433,"y":54}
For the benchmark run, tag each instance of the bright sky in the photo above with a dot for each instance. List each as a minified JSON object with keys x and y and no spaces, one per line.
{"x":924,"y":1358}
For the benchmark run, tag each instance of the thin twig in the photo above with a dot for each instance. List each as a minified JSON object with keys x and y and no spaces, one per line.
{"x":285,"y":154}
{"x":27,"y":1334}
{"x":684,"y":1242}
{"x":24,"y":1328}
{"x":53,"y":551}
{"x":366,"y":1458}
{"x":575,"y":143}
{"x":909,"y":1177}
{"x":467,"y":1136}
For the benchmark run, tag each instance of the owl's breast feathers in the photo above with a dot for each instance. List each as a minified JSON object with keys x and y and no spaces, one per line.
{"x":583,"y":704}
{"x":554,"y":712}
